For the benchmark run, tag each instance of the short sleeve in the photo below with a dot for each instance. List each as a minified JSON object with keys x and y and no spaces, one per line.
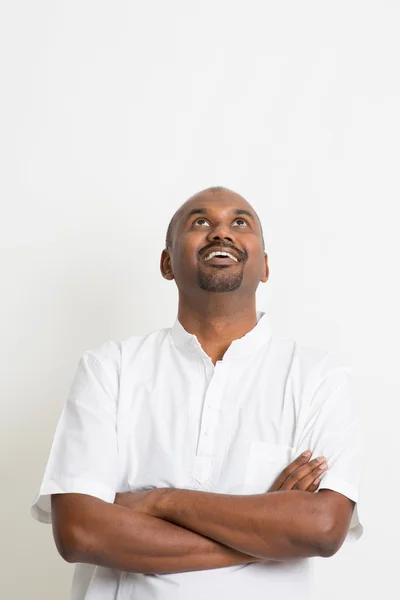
{"x":332,"y":427}
{"x":84,"y":452}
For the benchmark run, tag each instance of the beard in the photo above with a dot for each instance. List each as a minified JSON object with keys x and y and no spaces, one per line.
{"x":219,"y":279}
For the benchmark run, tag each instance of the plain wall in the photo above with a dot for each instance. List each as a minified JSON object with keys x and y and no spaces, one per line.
{"x":112,"y":114}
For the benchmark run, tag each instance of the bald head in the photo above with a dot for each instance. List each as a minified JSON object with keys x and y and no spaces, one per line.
{"x":213,"y":192}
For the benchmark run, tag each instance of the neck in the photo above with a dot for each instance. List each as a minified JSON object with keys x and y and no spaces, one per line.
{"x":217,"y":321}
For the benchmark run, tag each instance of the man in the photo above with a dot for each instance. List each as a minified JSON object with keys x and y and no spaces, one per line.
{"x":176,"y":469}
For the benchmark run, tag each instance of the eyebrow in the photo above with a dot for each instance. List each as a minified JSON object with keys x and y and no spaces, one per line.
{"x":204,"y":211}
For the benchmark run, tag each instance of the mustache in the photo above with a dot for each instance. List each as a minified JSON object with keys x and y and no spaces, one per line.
{"x":242,"y":255}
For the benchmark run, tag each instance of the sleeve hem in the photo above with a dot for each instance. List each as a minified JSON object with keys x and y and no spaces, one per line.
{"x":41,"y":506}
{"x":337,"y":484}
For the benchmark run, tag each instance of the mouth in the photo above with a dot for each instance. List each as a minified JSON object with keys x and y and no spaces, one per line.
{"x":221,"y":256}
{"x":221,"y":260}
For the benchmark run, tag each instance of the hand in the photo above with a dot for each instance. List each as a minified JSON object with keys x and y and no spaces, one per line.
{"x":300,"y":475}
{"x":143,"y":501}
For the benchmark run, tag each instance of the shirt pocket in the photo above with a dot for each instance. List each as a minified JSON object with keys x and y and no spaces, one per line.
{"x":265,"y":462}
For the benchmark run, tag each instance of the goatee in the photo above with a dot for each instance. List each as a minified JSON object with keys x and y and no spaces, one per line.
{"x":216,"y":281}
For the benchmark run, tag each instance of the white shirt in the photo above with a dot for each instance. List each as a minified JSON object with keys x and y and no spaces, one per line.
{"x":153,"y":410}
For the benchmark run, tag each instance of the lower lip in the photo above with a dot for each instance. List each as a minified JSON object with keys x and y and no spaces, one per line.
{"x":221,"y":261}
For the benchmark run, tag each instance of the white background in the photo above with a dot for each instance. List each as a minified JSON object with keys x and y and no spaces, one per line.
{"x":112,"y":114}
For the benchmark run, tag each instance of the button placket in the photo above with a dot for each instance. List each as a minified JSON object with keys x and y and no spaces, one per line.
{"x":208,"y":430}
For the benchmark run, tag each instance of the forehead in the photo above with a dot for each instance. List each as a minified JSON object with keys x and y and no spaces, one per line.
{"x":214,"y":205}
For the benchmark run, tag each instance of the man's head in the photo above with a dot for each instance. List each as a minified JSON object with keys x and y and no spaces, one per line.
{"x":215,"y":219}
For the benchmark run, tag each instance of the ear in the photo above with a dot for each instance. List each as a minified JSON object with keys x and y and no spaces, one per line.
{"x":165,"y":265}
{"x":265,"y":274}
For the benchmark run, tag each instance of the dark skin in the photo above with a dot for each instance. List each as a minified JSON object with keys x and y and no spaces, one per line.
{"x":127,"y":536}
{"x":216,"y":318}
{"x":172,"y":530}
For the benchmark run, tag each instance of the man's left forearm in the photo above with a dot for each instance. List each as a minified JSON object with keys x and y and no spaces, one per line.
{"x":275,"y":525}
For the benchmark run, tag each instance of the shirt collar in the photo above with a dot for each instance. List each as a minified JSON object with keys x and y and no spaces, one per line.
{"x":252,"y":341}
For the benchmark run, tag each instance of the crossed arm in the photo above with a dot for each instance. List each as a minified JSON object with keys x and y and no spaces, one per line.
{"x":174,"y":530}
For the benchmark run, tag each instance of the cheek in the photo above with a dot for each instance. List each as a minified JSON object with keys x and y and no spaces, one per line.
{"x":184,"y":261}
{"x":189,"y":249}
{"x":255,"y":267}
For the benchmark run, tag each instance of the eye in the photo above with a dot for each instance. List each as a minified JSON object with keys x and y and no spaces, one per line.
{"x":200,"y":219}
{"x":240,"y":219}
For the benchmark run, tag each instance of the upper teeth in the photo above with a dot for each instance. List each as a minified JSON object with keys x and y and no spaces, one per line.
{"x":220,"y":253}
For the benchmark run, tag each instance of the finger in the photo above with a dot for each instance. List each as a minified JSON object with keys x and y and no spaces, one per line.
{"x":305,"y":475}
{"x":304,"y":483}
{"x":295,"y":475}
{"x":298,"y":462}
{"x":297,"y":482}
{"x":313,"y":479}
{"x":314,"y":486}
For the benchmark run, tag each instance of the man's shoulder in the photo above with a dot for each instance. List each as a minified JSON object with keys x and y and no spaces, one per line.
{"x":313,"y":360}
{"x":113,"y":352}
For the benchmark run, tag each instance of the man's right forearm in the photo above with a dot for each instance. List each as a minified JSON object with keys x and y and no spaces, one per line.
{"x":109,"y":535}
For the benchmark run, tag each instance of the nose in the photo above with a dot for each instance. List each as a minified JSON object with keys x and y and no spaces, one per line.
{"x":220,"y":232}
